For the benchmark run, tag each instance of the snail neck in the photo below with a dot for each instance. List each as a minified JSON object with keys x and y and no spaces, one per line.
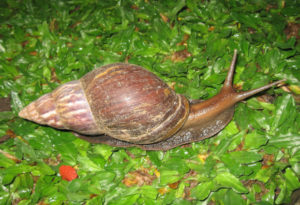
{"x":202,"y":112}
{"x":209,"y":110}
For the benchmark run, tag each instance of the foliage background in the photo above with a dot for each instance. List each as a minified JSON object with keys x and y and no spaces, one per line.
{"x":189,"y":44}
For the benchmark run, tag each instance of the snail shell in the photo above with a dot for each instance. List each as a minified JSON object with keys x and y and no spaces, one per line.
{"x":121,"y":100}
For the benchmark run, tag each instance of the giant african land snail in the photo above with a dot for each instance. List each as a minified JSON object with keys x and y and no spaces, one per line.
{"x":130,"y":106}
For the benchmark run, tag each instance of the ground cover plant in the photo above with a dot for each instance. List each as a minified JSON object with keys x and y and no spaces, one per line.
{"x":189,"y":44}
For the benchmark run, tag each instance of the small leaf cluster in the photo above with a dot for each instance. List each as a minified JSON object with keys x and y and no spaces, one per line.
{"x":187,"y":43}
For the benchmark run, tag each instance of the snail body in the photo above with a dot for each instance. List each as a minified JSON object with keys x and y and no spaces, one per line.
{"x":129,"y":106}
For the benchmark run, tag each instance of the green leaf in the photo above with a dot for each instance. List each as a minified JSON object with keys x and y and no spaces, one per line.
{"x":248,"y":20}
{"x":236,"y":168}
{"x":227,"y":143}
{"x":17,"y":104}
{"x":265,"y":174}
{"x":5,"y":198}
{"x":245,"y":157}
{"x":43,"y":169}
{"x":169,"y":176}
{"x":268,"y":198}
{"x":17,"y":169}
{"x":104,"y":150}
{"x":131,"y":199}
{"x":89,"y":164}
{"x":9,"y":69}
{"x":281,"y":116}
{"x":291,"y":179}
{"x":103,"y":179}
{"x":202,"y":190}
{"x":5,"y":116}
{"x":230,"y":181}
{"x":231,"y":197}
{"x":288,"y":44}
{"x":255,"y":140}
{"x":149,"y":192}
{"x":285,"y":140}
{"x":23,"y":185}
{"x":5,"y":161}
{"x":156,"y":157}
{"x":47,"y":73}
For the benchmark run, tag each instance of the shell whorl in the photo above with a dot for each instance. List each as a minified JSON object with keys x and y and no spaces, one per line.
{"x":64,"y":108}
{"x":134,"y":105}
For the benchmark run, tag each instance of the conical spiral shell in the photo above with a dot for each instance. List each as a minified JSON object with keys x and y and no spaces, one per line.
{"x":123,"y":101}
{"x":64,"y":108}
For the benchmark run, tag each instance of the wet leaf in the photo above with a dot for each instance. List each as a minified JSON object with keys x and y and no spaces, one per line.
{"x":202,"y":190}
{"x":282,"y":104}
{"x":230,"y":181}
{"x":255,"y":140}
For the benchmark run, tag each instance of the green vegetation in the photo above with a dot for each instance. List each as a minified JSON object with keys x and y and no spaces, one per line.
{"x":189,"y":44}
